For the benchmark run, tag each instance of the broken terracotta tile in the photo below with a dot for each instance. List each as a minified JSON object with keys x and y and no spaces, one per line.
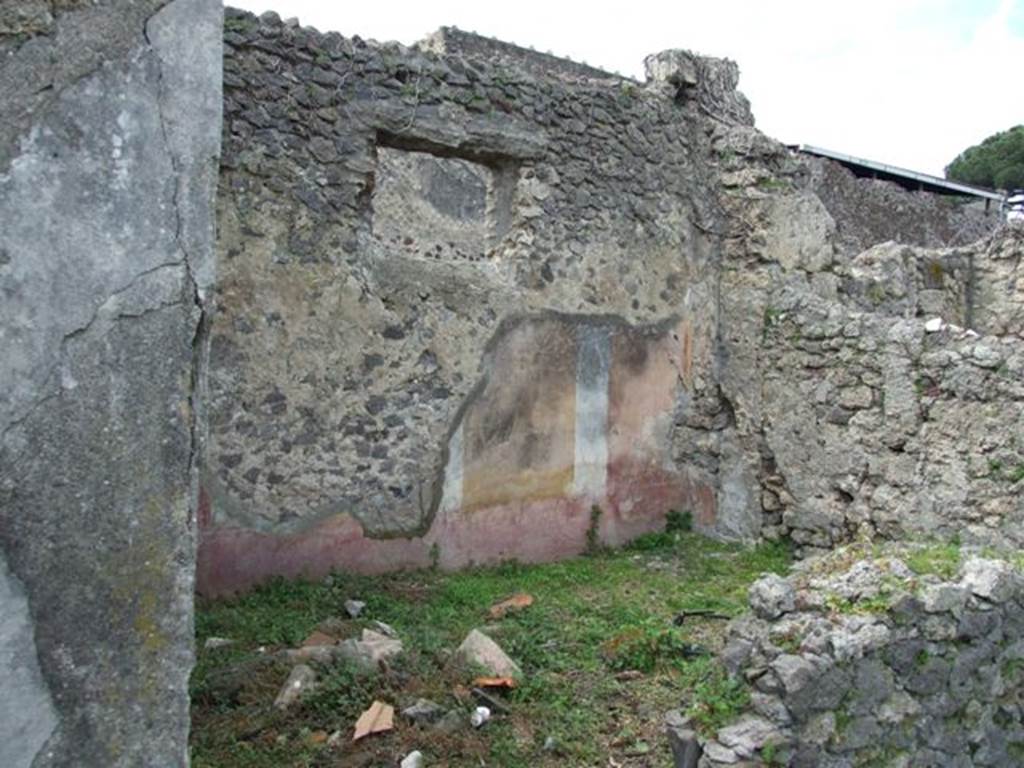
{"x":378,"y":718}
{"x":515,"y":603}
{"x":495,"y":682}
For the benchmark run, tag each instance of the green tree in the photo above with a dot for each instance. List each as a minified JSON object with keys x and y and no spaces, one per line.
{"x":998,"y":162}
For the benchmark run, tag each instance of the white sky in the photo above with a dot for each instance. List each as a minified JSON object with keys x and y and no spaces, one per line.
{"x":907,"y":82}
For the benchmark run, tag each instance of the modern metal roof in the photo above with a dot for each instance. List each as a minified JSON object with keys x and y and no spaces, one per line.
{"x":901,"y":176}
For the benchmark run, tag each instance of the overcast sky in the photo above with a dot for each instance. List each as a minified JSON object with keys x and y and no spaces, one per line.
{"x":907,"y":82}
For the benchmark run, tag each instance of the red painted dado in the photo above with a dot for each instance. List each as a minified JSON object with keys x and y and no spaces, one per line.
{"x":233,"y":559}
{"x":641,"y":494}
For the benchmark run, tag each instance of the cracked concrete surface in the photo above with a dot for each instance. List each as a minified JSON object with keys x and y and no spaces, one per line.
{"x":107,"y":173}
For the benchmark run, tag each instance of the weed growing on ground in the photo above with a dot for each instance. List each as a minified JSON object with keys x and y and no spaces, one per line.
{"x":571,"y":695}
{"x":717,"y":698}
{"x":645,"y":646}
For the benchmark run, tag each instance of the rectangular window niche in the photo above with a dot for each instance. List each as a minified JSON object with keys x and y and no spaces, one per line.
{"x":440,"y":206}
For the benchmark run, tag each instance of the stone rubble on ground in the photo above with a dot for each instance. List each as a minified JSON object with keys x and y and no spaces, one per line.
{"x":385,"y":629}
{"x":354,"y":608}
{"x":424,"y":712}
{"x":212,"y":643}
{"x":992,"y":580}
{"x":370,"y":651}
{"x":771,"y":596}
{"x":300,"y":682}
{"x":747,"y":735}
{"x":682,"y":740}
{"x":453,"y":722}
{"x":480,"y":650}
{"x":321,"y":654}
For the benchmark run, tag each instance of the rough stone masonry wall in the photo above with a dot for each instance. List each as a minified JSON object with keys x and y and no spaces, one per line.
{"x":998,"y":294}
{"x":863,"y":407}
{"x":461,"y":303}
{"x":851,"y":416}
{"x":109,"y":134}
{"x":891,"y":427}
{"x":979,"y":286}
{"x":435,"y":261}
{"x":858,"y":661}
{"x":869,"y":211}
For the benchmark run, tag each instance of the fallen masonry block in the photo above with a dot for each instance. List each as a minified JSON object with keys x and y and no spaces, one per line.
{"x":424,"y":712}
{"x":369,"y":651}
{"x":480,"y":650}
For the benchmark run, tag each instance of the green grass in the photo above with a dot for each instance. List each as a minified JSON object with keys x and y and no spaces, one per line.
{"x":942,"y":560}
{"x":592,"y":617}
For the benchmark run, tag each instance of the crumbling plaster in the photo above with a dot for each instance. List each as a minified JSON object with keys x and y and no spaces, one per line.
{"x":386,"y":210}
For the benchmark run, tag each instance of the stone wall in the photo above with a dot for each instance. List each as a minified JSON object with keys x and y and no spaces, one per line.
{"x":393,"y":222}
{"x":108,"y":151}
{"x":869,"y":211}
{"x":860,"y":406}
{"x":997,"y":303}
{"x":859,"y":660}
{"x":450,"y":41}
{"x":979,"y":286}
{"x":891,"y":427}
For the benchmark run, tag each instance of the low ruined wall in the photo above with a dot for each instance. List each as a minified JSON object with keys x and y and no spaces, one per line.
{"x":393,"y":223}
{"x":109,"y":135}
{"x":979,"y":286}
{"x":865,"y":662}
{"x":904,"y":281}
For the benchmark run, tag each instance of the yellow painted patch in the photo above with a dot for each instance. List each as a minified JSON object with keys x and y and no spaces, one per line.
{"x":487,"y":489}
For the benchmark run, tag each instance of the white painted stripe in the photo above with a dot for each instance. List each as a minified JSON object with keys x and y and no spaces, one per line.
{"x":451,"y":497}
{"x":593,"y":361}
